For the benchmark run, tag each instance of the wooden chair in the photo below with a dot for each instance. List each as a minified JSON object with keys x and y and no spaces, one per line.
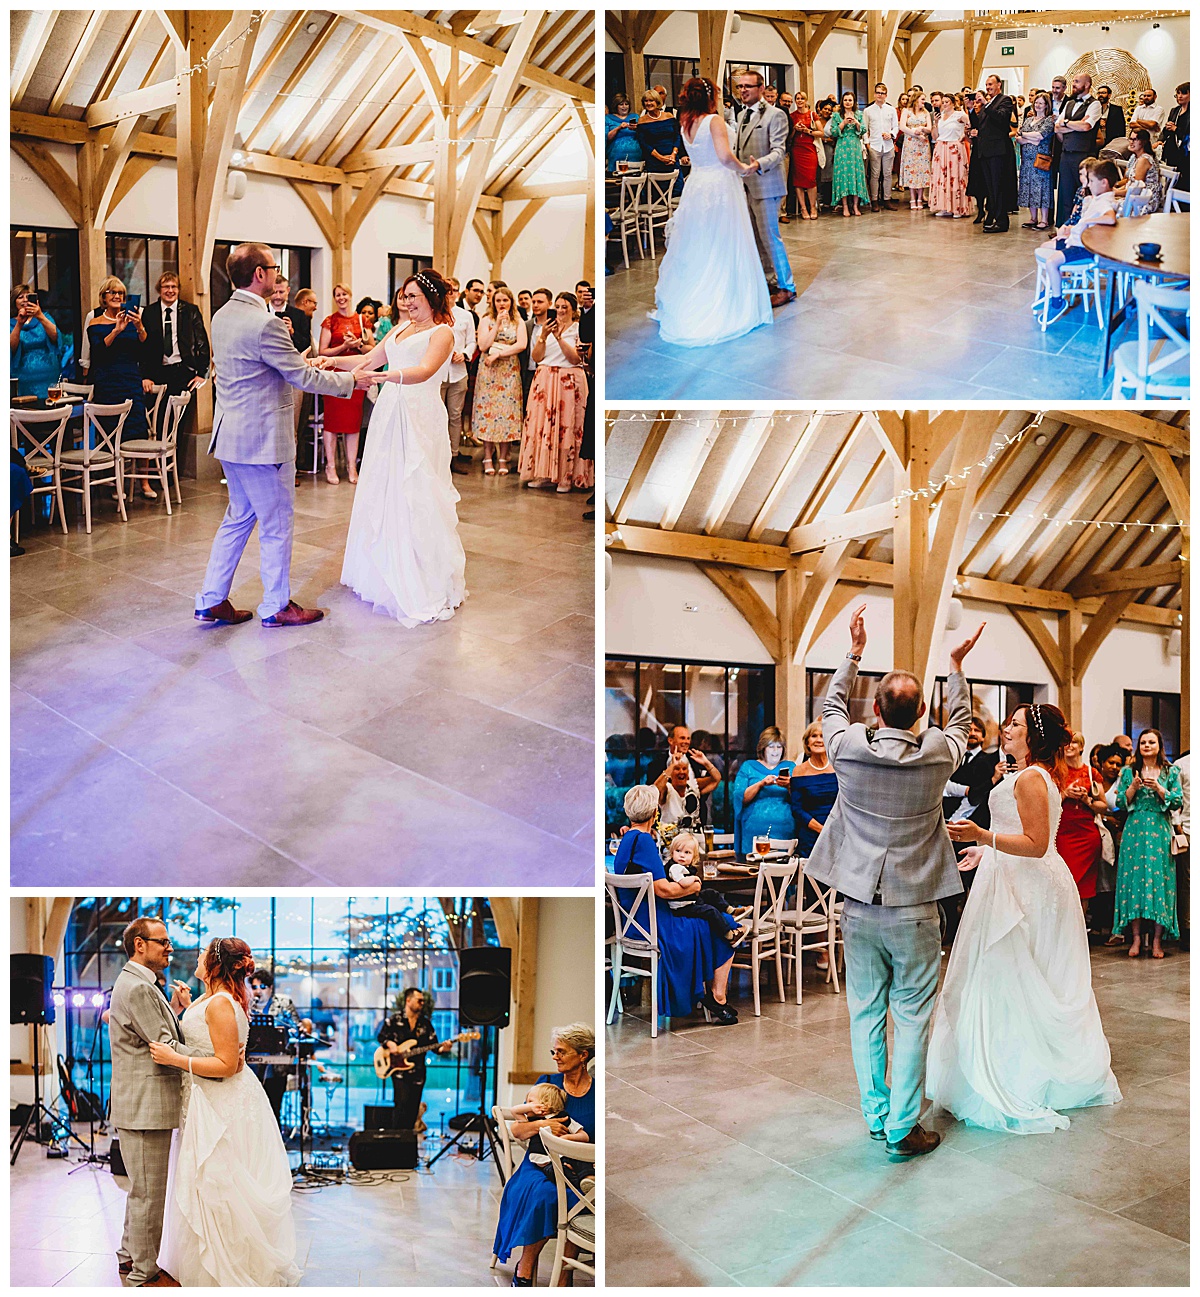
{"x":654,"y":209}
{"x":158,"y":391}
{"x":635,"y":947}
{"x":813,"y":926}
{"x":576,"y":1208}
{"x":41,"y":432}
{"x":161,"y":455}
{"x":1158,"y":364}
{"x":767,"y":936}
{"x":97,"y":464}
{"x":625,"y":216}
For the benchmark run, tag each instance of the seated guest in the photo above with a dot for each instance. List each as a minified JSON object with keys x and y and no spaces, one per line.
{"x":761,"y":804}
{"x":1112,"y":119}
{"x":118,"y":340}
{"x":703,"y":774}
{"x":621,"y":140}
{"x":1078,"y":839}
{"x":1099,"y":208}
{"x":546,"y":1100}
{"x":1143,"y":168}
{"x":706,"y":905}
{"x":1176,"y":137}
{"x":693,"y":964}
{"x":1036,"y":138}
{"x":33,"y":343}
{"x":20,"y":488}
{"x":849,"y":175}
{"x":1148,"y":115}
{"x":679,"y":802}
{"x":813,"y":790}
{"x":529,"y":1204}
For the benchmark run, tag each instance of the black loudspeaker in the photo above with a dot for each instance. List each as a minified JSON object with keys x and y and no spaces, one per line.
{"x":379,"y":1116}
{"x":383,"y":1150}
{"x":31,"y":977}
{"x":484,"y":985}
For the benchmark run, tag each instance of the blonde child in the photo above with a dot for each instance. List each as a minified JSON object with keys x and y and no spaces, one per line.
{"x":706,"y":903}
{"x":550,"y":1101}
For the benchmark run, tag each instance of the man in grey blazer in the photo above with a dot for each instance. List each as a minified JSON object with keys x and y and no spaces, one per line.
{"x":254,"y":437}
{"x":145,"y":1098}
{"x":886,"y":850}
{"x":761,"y":132}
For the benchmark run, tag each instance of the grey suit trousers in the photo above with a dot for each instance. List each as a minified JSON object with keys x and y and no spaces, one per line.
{"x":146,"y":1154}
{"x":893,"y":954}
{"x":764,"y":216}
{"x":879,"y":175}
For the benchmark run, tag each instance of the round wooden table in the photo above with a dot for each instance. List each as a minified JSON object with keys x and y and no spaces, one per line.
{"x":1115,"y":249}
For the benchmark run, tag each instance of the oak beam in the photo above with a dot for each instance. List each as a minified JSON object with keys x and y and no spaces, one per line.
{"x":28,"y":54}
{"x":746,"y":599}
{"x":1130,"y":578}
{"x":859,"y":524}
{"x":47,"y":168}
{"x":1044,"y":642}
{"x":1103,"y":620}
{"x":696,"y":549}
{"x":1125,"y":425}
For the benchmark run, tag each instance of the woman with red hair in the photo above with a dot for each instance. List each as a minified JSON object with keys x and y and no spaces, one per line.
{"x":1017,"y":1036}
{"x":228,"y":1219}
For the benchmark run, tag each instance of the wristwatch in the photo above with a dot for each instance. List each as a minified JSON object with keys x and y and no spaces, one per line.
{"x":854,"y":657}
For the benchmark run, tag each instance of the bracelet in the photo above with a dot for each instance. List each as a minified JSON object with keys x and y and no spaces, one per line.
{"x":190,"y":1072}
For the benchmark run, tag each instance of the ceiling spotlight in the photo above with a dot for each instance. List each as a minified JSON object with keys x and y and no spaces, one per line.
{"x":312,"y":28}
{"x":1155,"y":26}
{"x":1040,"y":439}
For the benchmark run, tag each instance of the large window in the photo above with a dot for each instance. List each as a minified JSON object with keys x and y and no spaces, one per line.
{"x":294,"y":263}
{"x":400,"y":266}
{"x":1153,"y":711}
{"x":726,"y":706}
{"x":48,"y":261}
{"x":854,"y":79}
{"x":344,"y":961}
{"x":673,"y":74}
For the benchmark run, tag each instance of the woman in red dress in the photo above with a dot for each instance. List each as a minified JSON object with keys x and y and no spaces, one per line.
{"x":804,"y":159}
{"x":342,"y":334}
{"x":1078,"y":837}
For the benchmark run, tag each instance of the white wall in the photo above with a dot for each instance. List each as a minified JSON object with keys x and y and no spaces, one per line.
{"x":645,"y":617}
{"x":20,"y":1047}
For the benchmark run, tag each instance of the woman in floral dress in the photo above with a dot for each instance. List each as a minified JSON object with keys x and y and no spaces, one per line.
{"x":915,"y":169}
{"x":951,"y":159}
{"x":849,"y":173}
{"x":1150,"y":788}
{"x":1036,"y":136}
{"x":553,"y":431}
{"x":496,"y":410}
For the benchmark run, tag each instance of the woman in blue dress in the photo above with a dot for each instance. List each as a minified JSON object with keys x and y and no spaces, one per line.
{"x":620,"y":130}
{"x":1036,"y":136}
{"x":658,"y":135}
{"x":116,"y":338}
{"x":693,"y":963}
{"x":760,"y":795}
{"x":813,"y":790}
{"x":34,"y":345}
{"x":529,"y":1205}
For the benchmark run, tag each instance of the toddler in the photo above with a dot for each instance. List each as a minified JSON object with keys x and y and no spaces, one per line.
{"x":1099,"y":208}
{"x":707,"y":904}
{"x":548,"y":1100}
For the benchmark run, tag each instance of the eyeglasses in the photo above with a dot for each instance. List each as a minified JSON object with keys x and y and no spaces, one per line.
{"x":162,"y":941}
{"x":559,"y":1053}
{"x":272,"y":266}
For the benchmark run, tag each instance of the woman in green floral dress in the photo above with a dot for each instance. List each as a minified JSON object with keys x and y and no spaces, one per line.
{"x":1151,"y":790}
{"x":849,"y":174}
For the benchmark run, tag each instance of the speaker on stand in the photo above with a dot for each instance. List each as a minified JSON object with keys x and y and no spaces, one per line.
{"x":484,"y":1000}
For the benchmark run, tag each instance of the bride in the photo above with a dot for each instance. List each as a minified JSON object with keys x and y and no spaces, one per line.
{"x":711,"y":287}
{"x":403,"y":552}
{"x":228,"y":1220}
{"x":1017,"y":1034}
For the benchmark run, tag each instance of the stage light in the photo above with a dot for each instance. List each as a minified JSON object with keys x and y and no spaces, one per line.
{"x":59,"y":999}
{"x":78,"y":999}
{"x":98,"y":1000}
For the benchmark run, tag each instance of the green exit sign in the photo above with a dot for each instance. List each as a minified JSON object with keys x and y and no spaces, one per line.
{"x":1008,"y":49}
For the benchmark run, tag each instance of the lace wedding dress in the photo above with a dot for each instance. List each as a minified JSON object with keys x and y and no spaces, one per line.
{"x":403,"y":552}
{"x":1017,"y":1036}
{"x":228,"y":1219}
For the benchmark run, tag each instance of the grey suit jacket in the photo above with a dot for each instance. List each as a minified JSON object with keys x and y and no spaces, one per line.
{"x":257,"y":365}
{"x":144,"y":1095}
{"x":763,"y":137}
{"x":886,"y":833}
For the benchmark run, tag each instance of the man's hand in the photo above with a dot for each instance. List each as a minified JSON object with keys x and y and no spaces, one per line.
{"x":196,"y":382}
{"x":858,"y":630}
{"x":363,"y":378}
{"x":957,"y":655}
{"x":181,"y":997}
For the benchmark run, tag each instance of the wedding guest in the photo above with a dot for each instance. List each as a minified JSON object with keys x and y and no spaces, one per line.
{"x":788,"y":209}
{"x":1123,"y":741}
{"x":1151,"y":789}
{"x":1107,"y":763}
{"x":454,"y":387}
{"x":771,"y":95}
{"x":658,"y":135}
{"x":300,"y":314}
{"x":882,"y":126}
{"x":898,"y":151}
{"x":1075,"y":126}
{"x":761,"y":804}
{"x":525,"y":304}
{"x":967,"y":797}
{"x":1099,"y":208}
{"x":993,"y":143}
{"x":703,"y":774}
{"x":540,"y":303}
{"x":368,"y":311}
{"x":620,"y":127}
{"x":33,"y":343}
{"x":587,"y":347}
{"x":1036,"y":138}
{"x":813,"y":790}
{"x":1058,"y":97}
{"x":1176,"y":137}
{"x":1143,"y":167}
{"x":1078,"y":838}
{"x":661,"y":92}
{"x":951,"y":158}
{"x":694,"y":965}
{"x":496,"y":409}
{"x":1111,"y":125}
{"x":553,"y":430}
{"x":342,"y":335}
{"x":849,"y":176}
{"x":177,"y":352}
{"x":804,"y":157}
{"x":825,"y":154}
{"x":1148,"y":115}
{"x":118,"y":338}
{"x":1183,"y":859}
{"x":972,"y":103}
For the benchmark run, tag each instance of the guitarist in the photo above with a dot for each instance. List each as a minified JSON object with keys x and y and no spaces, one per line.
{"x":411,"y":1023}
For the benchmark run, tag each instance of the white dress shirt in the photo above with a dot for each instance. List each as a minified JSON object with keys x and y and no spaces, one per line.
{"x":878,"y":119}
{"x":170,"y":316}
{"x":1146,"y":113}
{"x":464,"y":341}
{"x":1091,"y":114}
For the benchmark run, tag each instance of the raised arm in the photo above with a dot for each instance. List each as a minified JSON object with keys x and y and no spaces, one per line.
{"x":835,"y":714}
{"x":958,"y":728}
{"x":222,"y":1028}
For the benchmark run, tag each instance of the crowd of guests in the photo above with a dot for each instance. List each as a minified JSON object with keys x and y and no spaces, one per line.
{"x":520,"y":374}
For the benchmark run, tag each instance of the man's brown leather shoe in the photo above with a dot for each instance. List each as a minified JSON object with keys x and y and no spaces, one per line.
{"x":781,"y":297}
{"x":916,"y":1143}
{"x":162,"y":1280}
{"x":888,"y":205}
{"x":294,"y":615}
{"x":874,"y":207}
{"x":223,"y":614}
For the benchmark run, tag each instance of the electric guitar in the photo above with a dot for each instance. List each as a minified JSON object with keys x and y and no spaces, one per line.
{"x":396,"y":1062}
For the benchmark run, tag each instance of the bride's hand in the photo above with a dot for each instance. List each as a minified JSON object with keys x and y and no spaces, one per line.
{"x":970,"y":859}
{"x":163,"y":1054}
{"x":964,"y":831}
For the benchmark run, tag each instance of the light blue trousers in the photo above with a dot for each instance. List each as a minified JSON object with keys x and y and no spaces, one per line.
{"x":892,"y":959}
{"x":764,"y":216}
{"x":262,"y":494}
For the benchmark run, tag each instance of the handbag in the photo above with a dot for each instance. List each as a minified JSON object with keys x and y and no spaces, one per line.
{"x":1043,"y":161}
{"x":819,"y":145}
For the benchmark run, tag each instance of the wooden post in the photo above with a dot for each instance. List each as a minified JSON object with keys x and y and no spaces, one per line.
{"x":91,"y":232}
{"x":875,"y":55}
{"x":525,"y":992}
{"x":789,"y":673}
{"x":715,"y":25}
{"x":1070,"y":693}
{"x":343,"y":200}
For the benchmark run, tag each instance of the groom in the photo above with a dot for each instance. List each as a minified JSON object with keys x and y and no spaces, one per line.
{"x":886,"y":850}
{"x":762,"y":133}
{"x":145,"y":1098}
{"x":254,"y":437}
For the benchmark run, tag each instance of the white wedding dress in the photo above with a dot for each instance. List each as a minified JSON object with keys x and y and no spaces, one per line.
{"x":228,"y":1220}
{"x":711,"y":286}
{"x":403,"y":552}
{"x":1017,"y":1036}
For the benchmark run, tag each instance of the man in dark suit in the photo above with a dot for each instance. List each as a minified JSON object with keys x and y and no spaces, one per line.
{"x":967,"y":792}
{"x":539,"y":317}
{"x":1112,"y":119}
{"x":1176,"y":137}
{"x":176,"y":351}
{"x":994,"y":145}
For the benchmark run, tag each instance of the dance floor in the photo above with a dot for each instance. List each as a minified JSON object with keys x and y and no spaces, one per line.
{"x":147,"y":748}
{"x":434,"y":1229}
{"x":738,"y":1155}
{"x":892,"y":306}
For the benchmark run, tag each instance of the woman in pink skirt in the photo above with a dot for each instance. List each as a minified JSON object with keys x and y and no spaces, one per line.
{"x":951,"y":157}
{"x":553,"y":429}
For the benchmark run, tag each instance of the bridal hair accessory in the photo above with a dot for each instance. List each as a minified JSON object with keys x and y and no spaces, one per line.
{"x":427,"y":284}
{"x":1035,"y":715}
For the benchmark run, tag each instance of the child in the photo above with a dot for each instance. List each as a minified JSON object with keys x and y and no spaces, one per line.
{"x":707,"y":904}
{"x":547,"y":1100}
{"x":1099,"y":208}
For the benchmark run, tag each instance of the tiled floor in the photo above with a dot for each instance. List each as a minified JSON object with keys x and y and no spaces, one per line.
{"x":147,"y":748}
{"x":434,"y":1229}
{"x":738,"y":1155}
{"x":894,"y":306}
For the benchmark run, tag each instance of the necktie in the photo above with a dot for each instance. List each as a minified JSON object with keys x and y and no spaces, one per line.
{"x":168,"y":340}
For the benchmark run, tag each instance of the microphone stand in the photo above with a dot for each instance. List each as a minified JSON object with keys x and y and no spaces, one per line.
{"x":92,"y":1155}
